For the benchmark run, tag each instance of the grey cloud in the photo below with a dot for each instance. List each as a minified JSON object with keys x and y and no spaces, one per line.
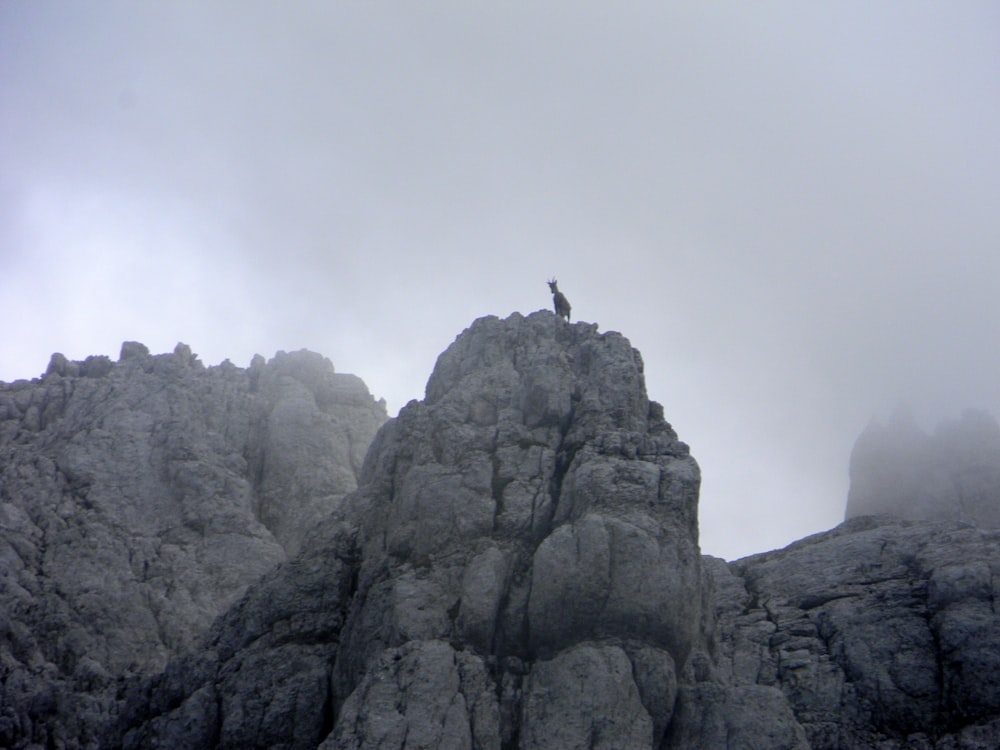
{"x":790,"y":210}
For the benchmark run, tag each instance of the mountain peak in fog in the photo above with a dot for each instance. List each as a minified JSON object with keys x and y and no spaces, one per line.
{"x":898,"y":469}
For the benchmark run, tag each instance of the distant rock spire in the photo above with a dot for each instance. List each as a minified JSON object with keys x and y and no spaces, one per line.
{"x":898,"y":469}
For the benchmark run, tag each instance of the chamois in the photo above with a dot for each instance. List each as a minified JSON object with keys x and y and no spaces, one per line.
{"x":559,"y":300}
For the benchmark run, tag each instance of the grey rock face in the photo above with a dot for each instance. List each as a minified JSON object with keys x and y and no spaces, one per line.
{"x":262,"y":678}
{"x":138,"y":500}
{"x":608,"y":713}
{"x":535,"y":463}
{"x":897,"y":469}
{"x":878,"y":634}
{"x":517,"y":568}
{"x":422,"y":694}
{"x":537,"y":512}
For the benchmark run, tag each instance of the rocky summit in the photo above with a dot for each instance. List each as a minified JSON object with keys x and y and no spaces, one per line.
{"x":223,"y":558}
{"x":138,"y":501}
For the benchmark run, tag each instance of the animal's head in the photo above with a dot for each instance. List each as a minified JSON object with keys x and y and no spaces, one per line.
{"x":552,"y":285}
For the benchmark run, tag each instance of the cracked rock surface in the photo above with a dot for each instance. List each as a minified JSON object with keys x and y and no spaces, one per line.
{"x":138,"y":500}
{"x":881,"y":633}
{"x":186,"y":566}
{"x":525,"y":572}
{"x":534,"y":516}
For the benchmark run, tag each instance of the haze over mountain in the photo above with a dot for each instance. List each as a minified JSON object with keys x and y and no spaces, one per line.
{"x":790,"y":208}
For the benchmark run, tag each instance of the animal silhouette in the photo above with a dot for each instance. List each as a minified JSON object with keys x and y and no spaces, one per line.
{"x":559,"y":300}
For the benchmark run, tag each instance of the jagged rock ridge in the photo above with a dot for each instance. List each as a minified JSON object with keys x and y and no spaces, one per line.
{"x":528,"y":529}
{"x":881,"y":633}
{"x":519,"y":568}
{"x":138,"y":500}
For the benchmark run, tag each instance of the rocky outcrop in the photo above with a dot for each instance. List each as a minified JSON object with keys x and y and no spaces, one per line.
{"x":532,"y":529}
{"x":138,"y":500}
{"x":953,"y":474}
{"x":527,"y":570}
{"x":882,"y":633}
{"x":518,"y":567}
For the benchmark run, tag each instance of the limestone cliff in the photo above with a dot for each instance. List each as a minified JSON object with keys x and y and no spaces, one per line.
{"x":138,"y":500}
{"x":530,"y":549}
{"x":517,"y":568}
{"x":881,"y":633}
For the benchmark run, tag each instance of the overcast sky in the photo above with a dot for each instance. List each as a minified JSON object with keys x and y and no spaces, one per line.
{"x":791,"y":209}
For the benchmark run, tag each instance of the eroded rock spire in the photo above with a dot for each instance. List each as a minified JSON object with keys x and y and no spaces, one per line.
{"x":531,"y":534}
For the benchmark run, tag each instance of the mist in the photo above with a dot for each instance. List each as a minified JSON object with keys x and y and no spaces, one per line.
{"x":789,"y":210}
